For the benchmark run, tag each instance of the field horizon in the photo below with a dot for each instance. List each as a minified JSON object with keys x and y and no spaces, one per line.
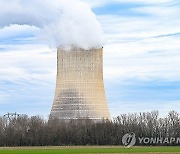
{"x":88,"y":149}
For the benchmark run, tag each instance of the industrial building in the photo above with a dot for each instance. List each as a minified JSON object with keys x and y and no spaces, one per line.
{"x":80,"y":90}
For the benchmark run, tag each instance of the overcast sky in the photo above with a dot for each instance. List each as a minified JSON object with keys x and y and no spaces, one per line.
{"x":141,"y":60}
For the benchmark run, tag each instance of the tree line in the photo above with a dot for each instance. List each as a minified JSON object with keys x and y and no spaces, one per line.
{"x":36,"y":131}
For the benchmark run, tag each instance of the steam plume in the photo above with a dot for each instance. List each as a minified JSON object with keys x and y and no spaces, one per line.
{"x":61,"y":22}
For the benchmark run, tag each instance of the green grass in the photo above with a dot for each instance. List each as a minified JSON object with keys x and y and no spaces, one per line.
{"x":81,"y":150}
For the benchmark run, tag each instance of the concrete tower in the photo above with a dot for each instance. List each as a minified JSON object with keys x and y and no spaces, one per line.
{"x":80,"y":88}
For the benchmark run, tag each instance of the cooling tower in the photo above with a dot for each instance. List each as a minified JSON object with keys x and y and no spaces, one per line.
{"x":80,"y":90}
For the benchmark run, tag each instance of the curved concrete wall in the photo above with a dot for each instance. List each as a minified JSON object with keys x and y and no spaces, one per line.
{"x":80,"y":88}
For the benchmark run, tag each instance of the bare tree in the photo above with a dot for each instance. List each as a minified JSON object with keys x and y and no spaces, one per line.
{"x":36,"y":131}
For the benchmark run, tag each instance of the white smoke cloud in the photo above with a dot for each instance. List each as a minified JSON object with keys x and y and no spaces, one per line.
{"x":62,"y":22}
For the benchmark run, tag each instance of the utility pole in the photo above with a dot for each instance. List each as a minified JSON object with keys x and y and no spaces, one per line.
{"x":10,"y":116}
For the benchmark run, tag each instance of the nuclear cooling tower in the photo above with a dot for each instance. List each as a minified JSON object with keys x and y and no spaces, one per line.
{"x":80,"y":89}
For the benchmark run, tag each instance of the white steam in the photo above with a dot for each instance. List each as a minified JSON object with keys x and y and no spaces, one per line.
{"x":62,"y":22}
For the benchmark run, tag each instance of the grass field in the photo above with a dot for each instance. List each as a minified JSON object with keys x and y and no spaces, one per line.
{"x":87,"y":149}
